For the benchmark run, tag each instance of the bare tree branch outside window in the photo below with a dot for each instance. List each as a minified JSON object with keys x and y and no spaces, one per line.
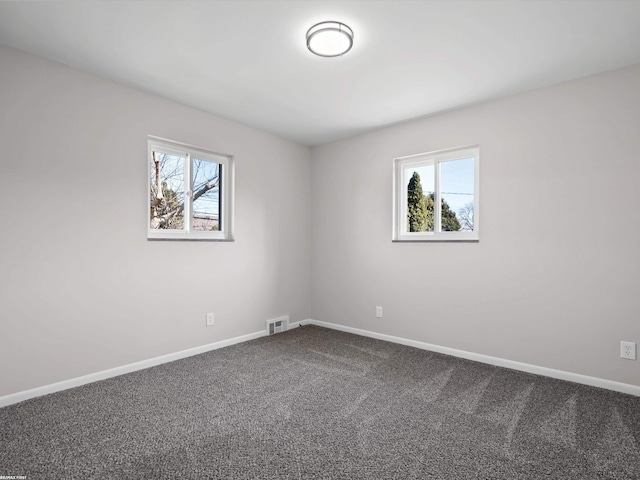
{"x":168,"y":192}
{"x":465,"y":216}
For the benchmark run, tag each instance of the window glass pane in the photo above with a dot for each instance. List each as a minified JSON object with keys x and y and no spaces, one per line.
{"x":167,"y":191}
{"x":206,"y":195}
{"x":456,"y":190}
{"x":420,"y":194}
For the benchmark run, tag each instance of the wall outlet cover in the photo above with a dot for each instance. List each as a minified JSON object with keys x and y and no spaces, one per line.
{"x":628,"y":350}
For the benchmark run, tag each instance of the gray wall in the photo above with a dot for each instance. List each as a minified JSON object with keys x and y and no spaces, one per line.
{"x":553,"y":281}
{"x":555,"y":278}
{"x":81,"y":289}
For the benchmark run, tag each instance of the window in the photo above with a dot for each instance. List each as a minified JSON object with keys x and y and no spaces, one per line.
{"x":190,"y":193}
{"x":436,"y":196}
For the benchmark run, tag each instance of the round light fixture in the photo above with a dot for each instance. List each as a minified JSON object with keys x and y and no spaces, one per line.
{"x":329,"y":39}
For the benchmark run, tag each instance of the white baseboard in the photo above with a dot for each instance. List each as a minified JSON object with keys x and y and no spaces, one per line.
{"x":114,"y":372}
{"x":499,"y":362}
{"x":152,"y":362}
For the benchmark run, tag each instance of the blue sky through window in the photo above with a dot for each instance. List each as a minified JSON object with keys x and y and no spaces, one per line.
{"x":456,"y":181}
{"x":203,"y":173}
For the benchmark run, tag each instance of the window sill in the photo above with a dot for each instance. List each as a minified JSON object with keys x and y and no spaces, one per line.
{"x":447,"y":240}
{"x":157,"y":239}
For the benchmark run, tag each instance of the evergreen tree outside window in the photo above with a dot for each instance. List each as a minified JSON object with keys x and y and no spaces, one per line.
{"x":436,"y":196}
{"x":419,"y":216}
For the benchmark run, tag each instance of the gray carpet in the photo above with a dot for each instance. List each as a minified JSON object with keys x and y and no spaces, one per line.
{"x":314,"y":403}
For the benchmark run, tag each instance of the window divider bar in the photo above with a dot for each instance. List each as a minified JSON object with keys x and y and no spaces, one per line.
{"x":437,"y":218}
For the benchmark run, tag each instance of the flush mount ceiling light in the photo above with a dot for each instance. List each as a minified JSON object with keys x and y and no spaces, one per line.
{"x":329,"y":39}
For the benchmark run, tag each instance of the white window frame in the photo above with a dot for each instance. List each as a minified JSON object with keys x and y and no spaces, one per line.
{"x":401,"y":165}
{"x":225,"y":225}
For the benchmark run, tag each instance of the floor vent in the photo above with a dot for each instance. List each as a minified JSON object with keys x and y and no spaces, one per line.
{"x":277,"y":325}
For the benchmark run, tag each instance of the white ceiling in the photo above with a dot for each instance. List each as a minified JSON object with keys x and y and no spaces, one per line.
{"x":247,"y":60}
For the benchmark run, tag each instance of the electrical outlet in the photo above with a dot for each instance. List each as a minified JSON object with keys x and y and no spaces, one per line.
{"x":628,"y":350}
{"x":210,"y":319}
{"x":378,"y":312}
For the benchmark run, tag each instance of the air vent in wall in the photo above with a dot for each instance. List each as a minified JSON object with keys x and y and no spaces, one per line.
{"x":277,"y":325}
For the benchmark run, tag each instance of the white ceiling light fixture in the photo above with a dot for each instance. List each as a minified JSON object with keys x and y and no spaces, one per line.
{"x":329,"y":39}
